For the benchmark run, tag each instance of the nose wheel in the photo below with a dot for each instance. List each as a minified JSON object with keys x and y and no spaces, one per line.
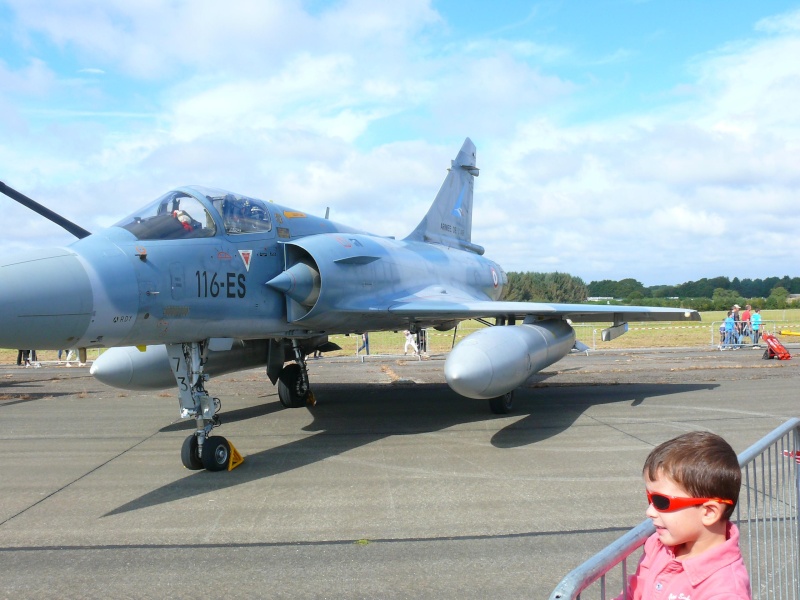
{"x":190,"y":456}
{"x":216,"y":453}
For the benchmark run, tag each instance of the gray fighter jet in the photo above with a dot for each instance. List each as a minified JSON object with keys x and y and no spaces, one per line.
{"x":204,"y":281}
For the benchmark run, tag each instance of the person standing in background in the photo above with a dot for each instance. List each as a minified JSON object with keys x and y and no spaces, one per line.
{"x":755,"y":323}
{"x":410,"y":341}
{"x":364,"y":343}
{"x":737,"y":330}
{"x":745,"y":323}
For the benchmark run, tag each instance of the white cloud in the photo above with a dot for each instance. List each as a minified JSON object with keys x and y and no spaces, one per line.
{"x":154,"y":39}
{"x":784,"y":23}
{"x":704,"y":187}
{"x":281,"y":103}
{"x":34,"y":79}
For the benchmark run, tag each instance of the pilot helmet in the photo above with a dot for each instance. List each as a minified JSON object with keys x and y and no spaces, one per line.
{"x":257,"y":213}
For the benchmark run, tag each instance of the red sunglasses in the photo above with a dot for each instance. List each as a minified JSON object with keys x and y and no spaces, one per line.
{"x":664,"y":503}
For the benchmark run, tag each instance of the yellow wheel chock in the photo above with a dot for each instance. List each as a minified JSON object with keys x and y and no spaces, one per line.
{"x":235,"y":458}
{"x":311,"y":400}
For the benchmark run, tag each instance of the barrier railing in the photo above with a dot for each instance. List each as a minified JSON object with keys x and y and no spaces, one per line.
{"x":767,"y":517}
{"x":744,"y":336}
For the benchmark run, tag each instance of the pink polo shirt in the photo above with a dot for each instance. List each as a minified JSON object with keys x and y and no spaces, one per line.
{"x":717,"y":574}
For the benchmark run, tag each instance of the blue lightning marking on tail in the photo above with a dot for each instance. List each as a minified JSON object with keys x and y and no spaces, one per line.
{"x":457,"y":208}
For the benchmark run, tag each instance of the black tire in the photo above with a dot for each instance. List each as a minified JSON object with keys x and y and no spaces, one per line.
{"x":291,"y":391}
{"x":189,"y":456}
{"x":216,"y":453}
{"x":502,"y":405}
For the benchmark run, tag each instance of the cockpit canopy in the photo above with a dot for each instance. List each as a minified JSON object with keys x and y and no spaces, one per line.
{"x":241,"y":214}
{"x":198,"y":212}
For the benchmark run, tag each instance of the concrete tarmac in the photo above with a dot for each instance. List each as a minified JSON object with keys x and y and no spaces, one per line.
{"x":392,"y":486}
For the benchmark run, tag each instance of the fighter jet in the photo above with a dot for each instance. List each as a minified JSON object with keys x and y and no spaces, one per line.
{"x":203,"y":281}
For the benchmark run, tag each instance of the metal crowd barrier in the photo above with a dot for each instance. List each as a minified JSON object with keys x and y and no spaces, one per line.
{"x":767,"y":517}
{"x":746,"y":337}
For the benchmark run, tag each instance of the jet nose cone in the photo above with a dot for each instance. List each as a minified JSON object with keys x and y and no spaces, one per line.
{"x":301,"y":283}
{"x":45,"y":300}
{"x":283,"y":282}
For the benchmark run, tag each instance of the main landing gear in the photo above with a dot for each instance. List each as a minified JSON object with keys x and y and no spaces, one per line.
{"x":293,"y":386}
{"x":502,"y":405}
{"x":200,"y":450}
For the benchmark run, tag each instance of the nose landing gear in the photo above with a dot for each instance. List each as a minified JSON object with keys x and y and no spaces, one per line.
{"x":200,"y":450}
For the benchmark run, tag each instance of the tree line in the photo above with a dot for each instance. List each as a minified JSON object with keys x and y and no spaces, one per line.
{"x":703,"y":288}
{"x":545,"y":287}
{"x":718,"y":293}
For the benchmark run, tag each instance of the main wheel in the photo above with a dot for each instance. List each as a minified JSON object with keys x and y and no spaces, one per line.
{"x":502,"y":405}
{"x":291,"y":391}
{"x":189,"y":456}
{"x":216,"y":453}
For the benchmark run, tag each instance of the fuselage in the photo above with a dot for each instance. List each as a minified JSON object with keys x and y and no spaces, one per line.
{"x":192,"y":266}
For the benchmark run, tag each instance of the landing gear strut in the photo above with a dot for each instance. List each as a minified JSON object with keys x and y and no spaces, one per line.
{"x":293,"y":385}
{"x":502,"y":405}
{"x":200,"y":450}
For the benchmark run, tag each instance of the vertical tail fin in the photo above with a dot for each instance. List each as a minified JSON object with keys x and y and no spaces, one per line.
{"x":449,"y":219}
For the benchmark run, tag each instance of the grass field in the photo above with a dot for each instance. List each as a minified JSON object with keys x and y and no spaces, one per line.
{"x":640,"y":335}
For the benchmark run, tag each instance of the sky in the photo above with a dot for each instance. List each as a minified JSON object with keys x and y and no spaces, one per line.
{"x":652,"y":139}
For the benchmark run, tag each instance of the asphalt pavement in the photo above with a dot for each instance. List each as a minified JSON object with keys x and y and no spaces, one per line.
{"x":392,"y":486}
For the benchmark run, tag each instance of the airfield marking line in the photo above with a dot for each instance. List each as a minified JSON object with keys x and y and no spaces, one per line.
{"x":343,"y":542}
{"x":625,"y":433}
{"x":733,"y":412}
{"x":681,"y":425}
{"x":77,"y":479}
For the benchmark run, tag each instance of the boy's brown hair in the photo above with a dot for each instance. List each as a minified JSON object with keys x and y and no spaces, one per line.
{"x":702,"y":463}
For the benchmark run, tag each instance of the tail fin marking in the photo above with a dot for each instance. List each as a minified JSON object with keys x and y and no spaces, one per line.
{"x":449,"y":219}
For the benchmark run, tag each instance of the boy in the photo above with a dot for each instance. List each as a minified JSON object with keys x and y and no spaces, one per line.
{"x":692,"y":485}
{"x":729,"y":325}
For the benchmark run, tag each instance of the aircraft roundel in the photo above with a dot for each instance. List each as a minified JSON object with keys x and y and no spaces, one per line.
{"x":494,"y":277}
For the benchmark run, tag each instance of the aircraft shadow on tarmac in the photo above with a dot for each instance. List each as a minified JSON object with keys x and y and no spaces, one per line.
{"x":10,"y":394}
{"x":350,"y":416}
{"x":230,"y":416}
